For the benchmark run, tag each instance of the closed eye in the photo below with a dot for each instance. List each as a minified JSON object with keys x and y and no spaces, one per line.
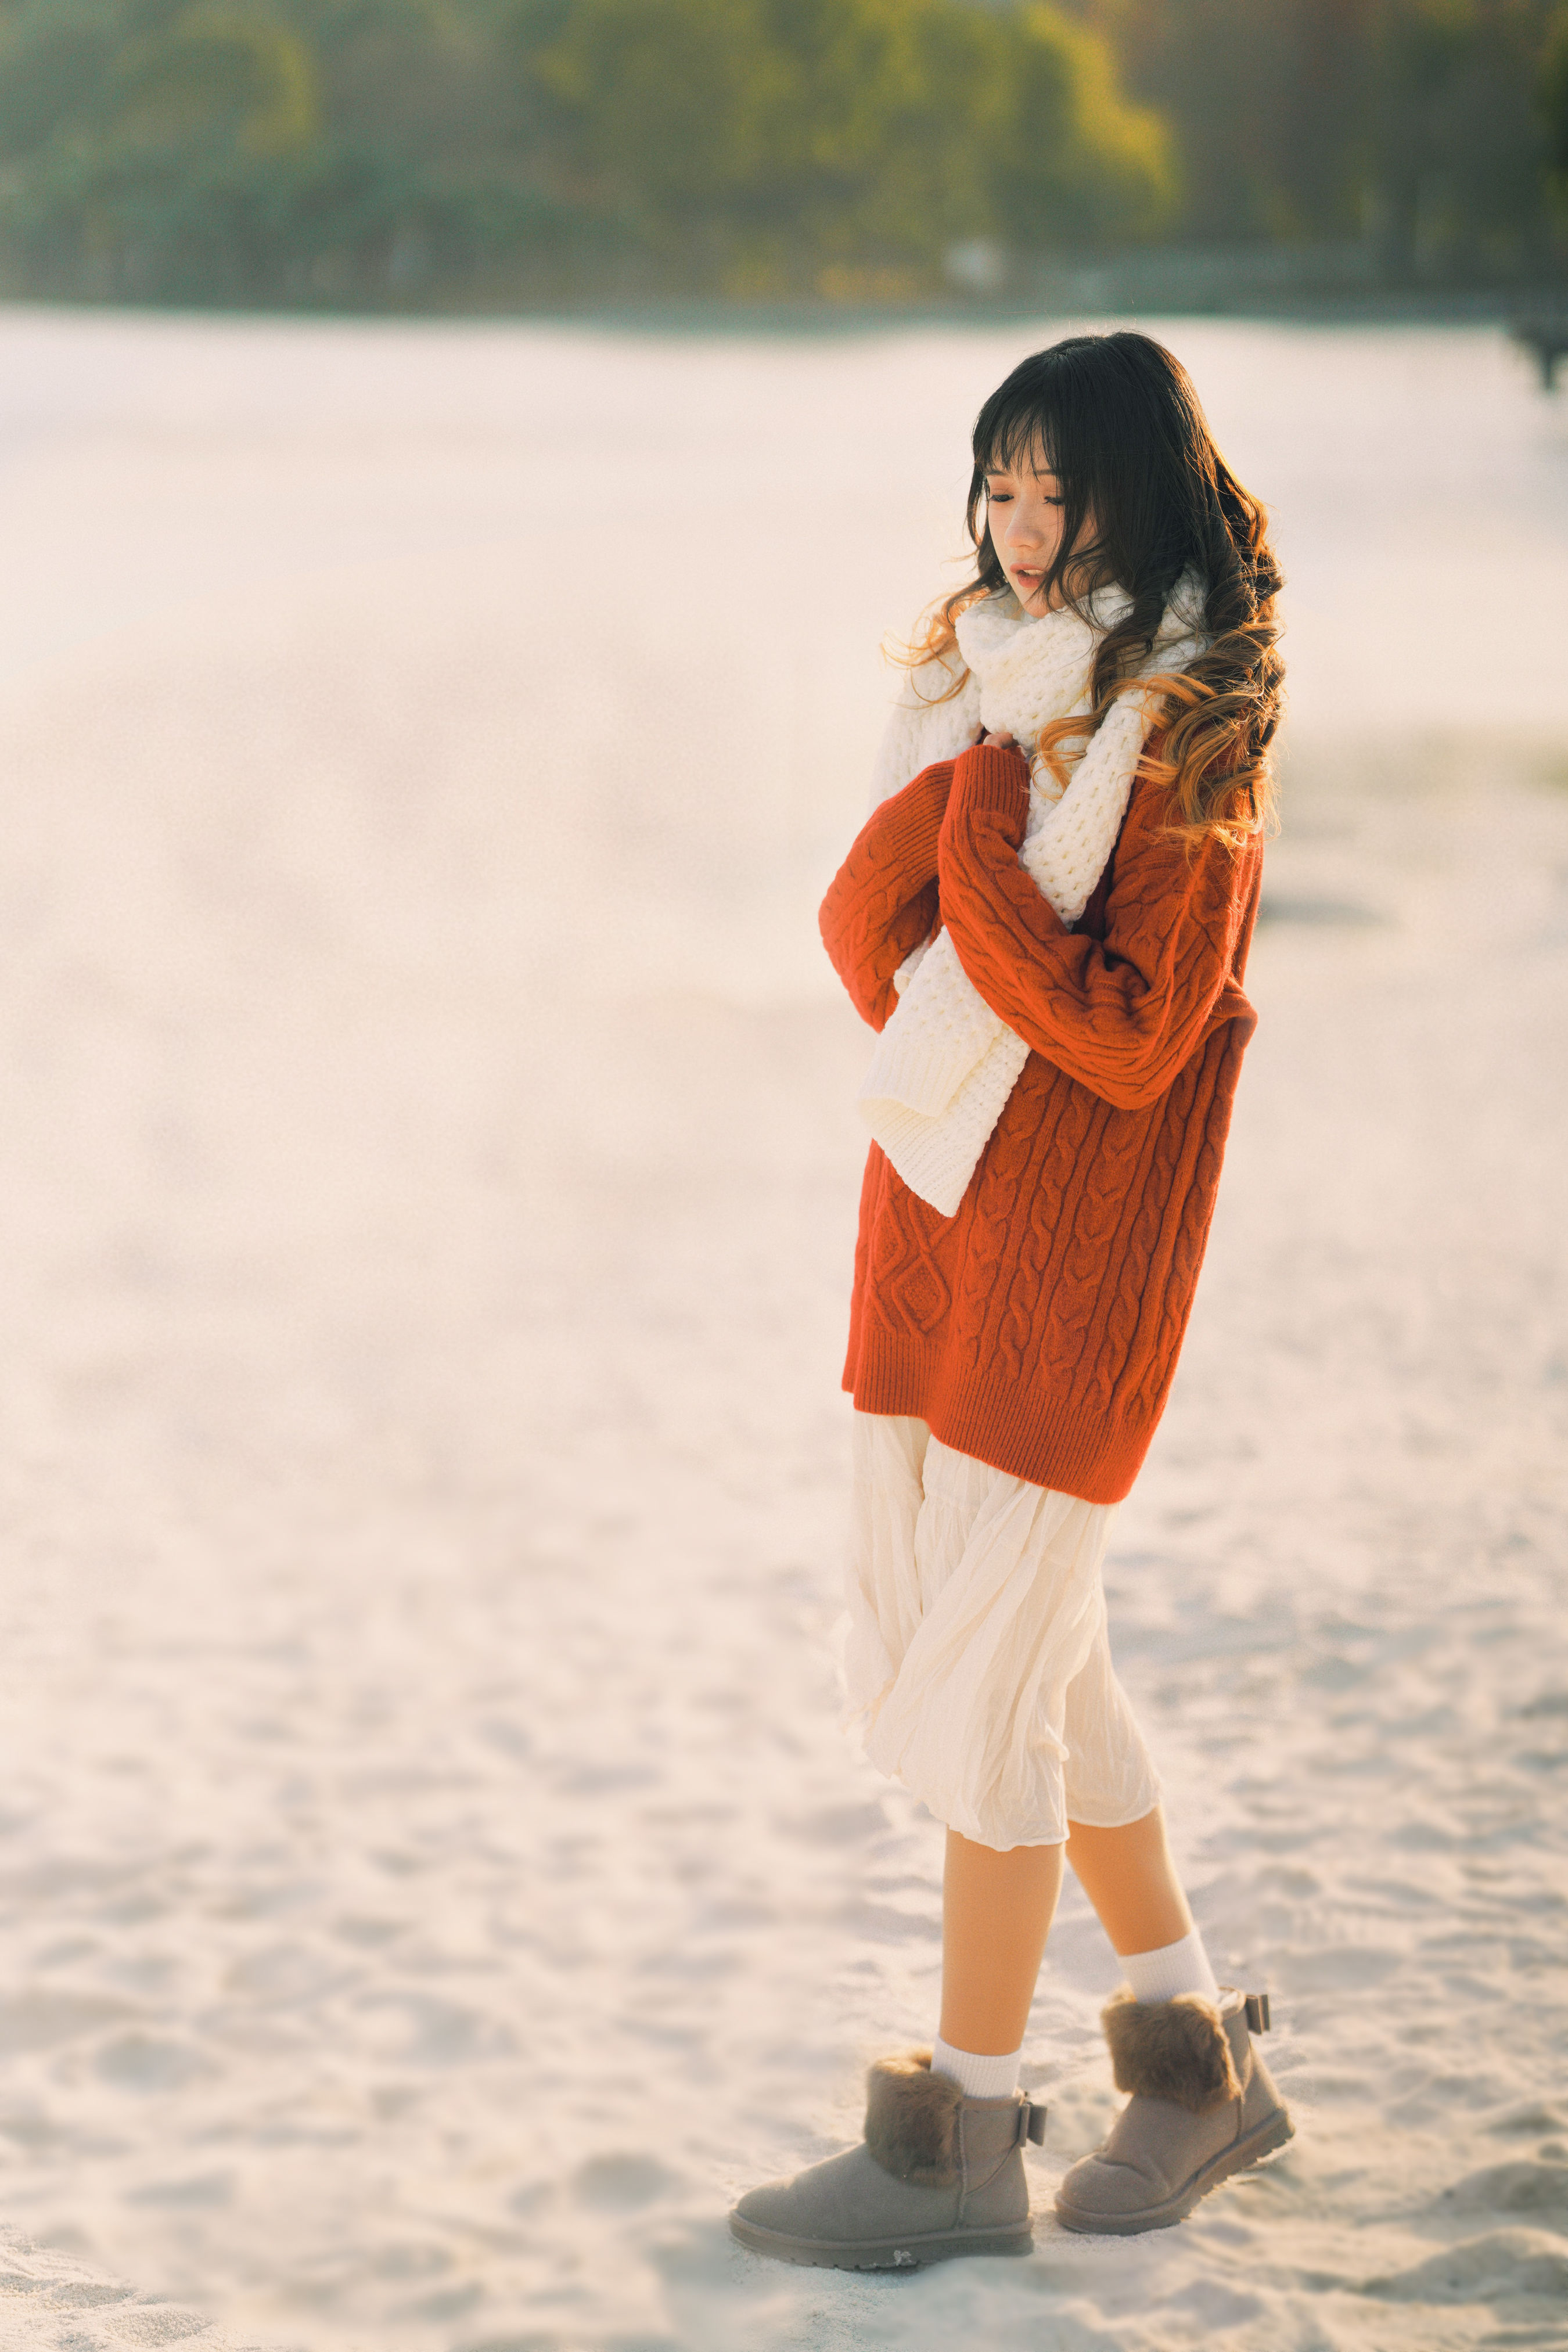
{"x":1005,"y":498}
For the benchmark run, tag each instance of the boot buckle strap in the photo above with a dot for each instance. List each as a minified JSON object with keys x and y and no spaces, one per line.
{"x":1031,"y":2123}
{"x":1257,"y":2012}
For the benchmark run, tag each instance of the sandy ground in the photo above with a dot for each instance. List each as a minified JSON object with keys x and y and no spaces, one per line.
{"x":432,"y":1880}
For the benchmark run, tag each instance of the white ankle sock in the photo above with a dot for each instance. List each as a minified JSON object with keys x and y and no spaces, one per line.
{"x":1174,"y":1968}
{"x":977,"y":2077}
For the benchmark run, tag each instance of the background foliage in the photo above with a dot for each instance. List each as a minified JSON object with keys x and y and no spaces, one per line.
{"x":408,"y":151}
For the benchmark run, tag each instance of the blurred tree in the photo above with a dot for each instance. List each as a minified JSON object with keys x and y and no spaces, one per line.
{"x":1413,"y":122}
{"x":425,"y":150}
{"x":1260,"y":94}
{"x":1451,"y":150}
{"x":1073,"y":161}
{"x":239,"y":80}
{"x":313,"y":150}
{"x":774,"y":140}
{"x":1553,"y":100}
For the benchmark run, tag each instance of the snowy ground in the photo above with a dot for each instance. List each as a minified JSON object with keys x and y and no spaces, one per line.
{"x":432,"y":1881}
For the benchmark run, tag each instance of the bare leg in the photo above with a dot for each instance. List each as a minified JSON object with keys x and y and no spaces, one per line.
{"x":996,"y":1910}
{"x":1129,"y":1878}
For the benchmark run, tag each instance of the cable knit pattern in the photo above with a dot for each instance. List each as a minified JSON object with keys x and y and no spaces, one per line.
{"x":1038,"y":1327}
{"x":947,"y":1063}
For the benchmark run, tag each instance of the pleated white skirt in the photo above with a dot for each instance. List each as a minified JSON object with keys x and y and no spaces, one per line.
{"x":976,"y":1657}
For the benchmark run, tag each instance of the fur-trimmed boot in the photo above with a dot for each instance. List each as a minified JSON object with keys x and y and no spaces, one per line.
{"x":937,"y":2174}
{"x":1202,"y":2108}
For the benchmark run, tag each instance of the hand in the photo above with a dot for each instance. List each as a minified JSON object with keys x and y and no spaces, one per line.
{"x":1000,"y":743}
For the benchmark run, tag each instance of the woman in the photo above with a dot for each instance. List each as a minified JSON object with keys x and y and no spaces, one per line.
{"x":1046,"y":921}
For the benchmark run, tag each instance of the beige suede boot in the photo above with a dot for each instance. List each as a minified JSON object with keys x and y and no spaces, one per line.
{"x":936,"y":2175}
{"x":1203,"y":2106}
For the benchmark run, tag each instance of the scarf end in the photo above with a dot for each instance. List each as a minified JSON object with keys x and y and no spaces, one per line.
{"x":934,"y":1166}
{"x":936,"y":1157}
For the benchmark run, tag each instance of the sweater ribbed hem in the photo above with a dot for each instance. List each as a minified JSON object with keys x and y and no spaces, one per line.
{"x":914,"y":828}
{"x":993,"y":780}
{"x":1050,"y":1443}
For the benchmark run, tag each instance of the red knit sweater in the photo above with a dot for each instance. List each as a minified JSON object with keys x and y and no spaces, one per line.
{"x":1038,"y":1329}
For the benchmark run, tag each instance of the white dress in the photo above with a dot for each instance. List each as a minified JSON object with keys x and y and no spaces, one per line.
{"x":976,"y":1655}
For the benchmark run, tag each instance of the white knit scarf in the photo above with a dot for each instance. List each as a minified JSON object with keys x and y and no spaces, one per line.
{"x":945,"y":1065}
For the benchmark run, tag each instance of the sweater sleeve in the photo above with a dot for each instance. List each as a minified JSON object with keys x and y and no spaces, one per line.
{"x":883,"y":900}
{"x":1123,"y":1014}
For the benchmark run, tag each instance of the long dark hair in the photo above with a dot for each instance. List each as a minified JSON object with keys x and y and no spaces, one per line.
{"x":1116,"y":419}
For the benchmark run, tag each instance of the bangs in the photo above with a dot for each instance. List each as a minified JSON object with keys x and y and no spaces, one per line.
{"x":1014,"y":435}
{"x":1072,"y":411}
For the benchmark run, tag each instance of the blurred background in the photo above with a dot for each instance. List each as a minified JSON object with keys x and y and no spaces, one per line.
{"x":403,"y":153}
{"x":458,"y":465}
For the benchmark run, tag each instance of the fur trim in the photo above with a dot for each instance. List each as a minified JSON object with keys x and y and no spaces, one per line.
{"x":1176,"y":2050}
{"x":911,"y":2120}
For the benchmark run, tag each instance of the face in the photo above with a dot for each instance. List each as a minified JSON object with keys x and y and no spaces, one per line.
{"x":1023,"y":504}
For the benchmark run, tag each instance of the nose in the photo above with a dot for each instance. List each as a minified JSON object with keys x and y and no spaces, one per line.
{"x":1018,"y":532}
